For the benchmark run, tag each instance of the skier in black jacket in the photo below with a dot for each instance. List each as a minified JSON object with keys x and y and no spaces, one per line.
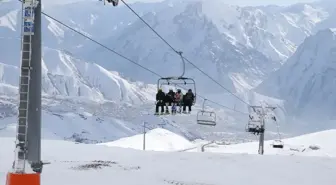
{"x":169,"y":99}
{"x":114,"y":2}
{"x":160,"y":101}
{"x":188,"y":100}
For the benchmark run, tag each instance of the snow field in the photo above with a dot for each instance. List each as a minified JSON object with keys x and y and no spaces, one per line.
{"x":73,"y":164}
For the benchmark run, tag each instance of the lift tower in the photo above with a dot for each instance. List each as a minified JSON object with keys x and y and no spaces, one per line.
{"x":27,"y":164}
{"x":256,"y":123}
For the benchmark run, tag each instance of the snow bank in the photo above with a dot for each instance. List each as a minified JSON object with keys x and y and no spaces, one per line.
{"x":315,"y":144}
{"x":156,"y":140}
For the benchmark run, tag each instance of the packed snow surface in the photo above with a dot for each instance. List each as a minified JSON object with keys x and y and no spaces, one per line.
{"x":93,"y":164}
{"x":316,"y":144}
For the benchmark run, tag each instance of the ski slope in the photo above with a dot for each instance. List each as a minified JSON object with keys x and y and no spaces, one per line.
{"x":321,"y":144}
{"x":73,"y":164}
{"x":157,"y":139}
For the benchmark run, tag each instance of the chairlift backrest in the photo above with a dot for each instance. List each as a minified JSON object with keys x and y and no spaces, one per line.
{"x":180,"y":82}
{"x":206,"y":118}
{"x":278,"y":144}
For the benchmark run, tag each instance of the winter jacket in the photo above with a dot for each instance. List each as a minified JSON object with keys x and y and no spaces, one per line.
{"x":189,"y":96}
{"x":170,"y":96}
{"x":178,"y":97}
{"x":160,"y":96}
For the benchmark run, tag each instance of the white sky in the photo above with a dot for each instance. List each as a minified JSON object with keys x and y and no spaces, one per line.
{"x":236,"y":2}
{"x":266,"y":2}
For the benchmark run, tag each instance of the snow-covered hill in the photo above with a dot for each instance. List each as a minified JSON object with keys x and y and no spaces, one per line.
{"x":315,"y":144}
{"x":306,"y":82}
{"x":156,"y":139}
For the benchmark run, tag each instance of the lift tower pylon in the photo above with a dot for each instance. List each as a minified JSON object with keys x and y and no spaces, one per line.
{"x":27,"y":164}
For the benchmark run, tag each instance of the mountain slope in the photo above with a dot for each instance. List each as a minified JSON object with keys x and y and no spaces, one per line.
{"x":184,"y":26}
{"x":188,"y":25}
{"x":273,"y":31}
{"x":65,"y":75}
{"x":307,"y":80}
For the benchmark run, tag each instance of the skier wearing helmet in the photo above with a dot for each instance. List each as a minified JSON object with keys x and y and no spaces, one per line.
{"x":169,"y":99}
{"x":188,"y":100}
{"x":160,"y":101}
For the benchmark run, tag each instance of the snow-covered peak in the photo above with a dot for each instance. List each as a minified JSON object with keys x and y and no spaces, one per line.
{"x":274,"y":31}
{"x":66,"y":75}
{"x":307,"y":81}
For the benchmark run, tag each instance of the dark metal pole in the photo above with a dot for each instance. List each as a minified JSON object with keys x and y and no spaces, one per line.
{"x":34,"y":108}
{"x":262,"y":136}
{"x":144,"y":136}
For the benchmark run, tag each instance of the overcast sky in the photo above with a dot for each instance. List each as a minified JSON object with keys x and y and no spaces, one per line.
{"x":266,"y":2}
{"x":237,"y":2}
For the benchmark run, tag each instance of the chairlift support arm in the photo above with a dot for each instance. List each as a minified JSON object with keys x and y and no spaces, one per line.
{"x":183,"y":62}
{"x":203,"y":106}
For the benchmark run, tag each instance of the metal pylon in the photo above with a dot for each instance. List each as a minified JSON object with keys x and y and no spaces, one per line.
{"x":28,"y":7}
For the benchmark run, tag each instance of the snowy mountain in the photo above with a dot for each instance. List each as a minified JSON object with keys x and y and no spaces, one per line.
{"x":187,"y":29}
{"x":238,"y":42}
{"x":64,"y":75}
{"x":239,"y":59}
{"x":306,"y":82}
{"x":89,"y":103}
{"x":234,"y":42}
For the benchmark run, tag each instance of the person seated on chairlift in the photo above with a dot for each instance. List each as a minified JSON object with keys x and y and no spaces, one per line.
{"x":169,"y":99}
{"x":178,"y":99}
{"x":114,"y":2}
{"x":160,"y":101}
{"x":188,"y":100}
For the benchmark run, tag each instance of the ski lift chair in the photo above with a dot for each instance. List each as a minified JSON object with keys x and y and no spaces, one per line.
{"x":254,"y":128}
{"x":206,"y":118}
{"x":278,"y":144}
{"x":178,"y":81}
